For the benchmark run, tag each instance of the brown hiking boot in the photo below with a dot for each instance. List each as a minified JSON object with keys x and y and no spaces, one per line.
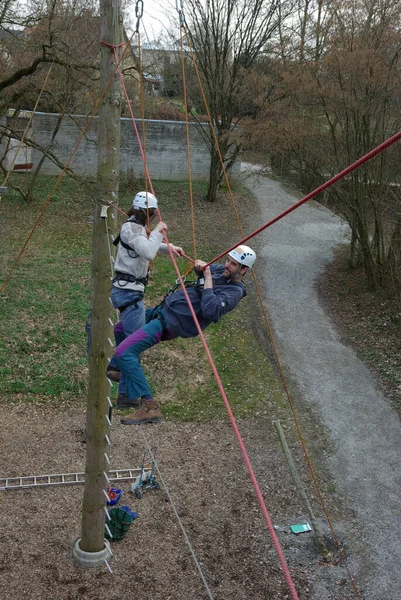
{"x":148,"y":412}
{"x":123,"y":403}
{"x":113,"y":373}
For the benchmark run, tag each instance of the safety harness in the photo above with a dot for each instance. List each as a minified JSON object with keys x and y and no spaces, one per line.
{"x":156,"y":312}
{"x":126,"y":277}
{"x":118,"y":239}
{"x":139,"y":298}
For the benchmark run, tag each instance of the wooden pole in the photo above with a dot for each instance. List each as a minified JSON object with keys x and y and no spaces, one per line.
{"x":97,"y":425}
{"x":301,"y":489}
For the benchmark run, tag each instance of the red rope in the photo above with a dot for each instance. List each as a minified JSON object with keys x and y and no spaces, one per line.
{"x":134,"y":124}
{"x":259,"y":495}
{"x":141,"y":149}
{"x":317,"y":191}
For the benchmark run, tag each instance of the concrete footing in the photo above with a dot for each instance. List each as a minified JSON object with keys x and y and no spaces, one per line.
{"x":91,"y":559}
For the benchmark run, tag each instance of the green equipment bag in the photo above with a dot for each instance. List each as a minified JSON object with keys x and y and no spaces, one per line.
{"x":119,"y":523}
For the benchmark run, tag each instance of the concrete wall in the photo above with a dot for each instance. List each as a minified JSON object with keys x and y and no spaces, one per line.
{"x":166,"y":150}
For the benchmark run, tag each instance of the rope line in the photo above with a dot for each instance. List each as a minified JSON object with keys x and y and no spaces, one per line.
{"x":142,"y":104}
{"x":147,"y":175}
{"x":255,"y":484}
{"x":270,"y":333}
{"x":389,"y":142}
{"x":227,"y":405}
{"x":177,"y":516}
{"x":212,"y":129}
{"x":191,"y":200}
{"x":143,"y":155}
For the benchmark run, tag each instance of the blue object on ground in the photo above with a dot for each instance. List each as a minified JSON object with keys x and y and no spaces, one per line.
{"x":114,"y":495}
{"x":127,"y":509}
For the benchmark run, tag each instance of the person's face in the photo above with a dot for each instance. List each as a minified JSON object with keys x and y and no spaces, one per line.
{"x":232,"y":268}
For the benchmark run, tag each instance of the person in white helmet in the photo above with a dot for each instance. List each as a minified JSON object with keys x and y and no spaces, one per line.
{"x":135,"y":250}
{"x":218,"y":291}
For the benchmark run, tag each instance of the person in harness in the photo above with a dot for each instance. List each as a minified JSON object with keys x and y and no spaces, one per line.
{"x":218,"y":291}
{"x":135,"y":250}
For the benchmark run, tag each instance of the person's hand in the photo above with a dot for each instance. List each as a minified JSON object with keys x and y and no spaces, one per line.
{"x":207,"y":273}
{"x":160,"y":226}
{"x":177,"y":250}
{"x":200,"y":265}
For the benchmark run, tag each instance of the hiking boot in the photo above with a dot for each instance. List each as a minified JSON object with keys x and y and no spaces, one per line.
{"x":113,"y":373}
{"x":123,"y":402}
{"x":148,"y":412}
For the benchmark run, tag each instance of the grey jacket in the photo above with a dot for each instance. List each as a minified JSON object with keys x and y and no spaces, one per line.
{"x":136,"y":262}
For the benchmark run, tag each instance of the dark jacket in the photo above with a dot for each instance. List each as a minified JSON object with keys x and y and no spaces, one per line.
{"x":209,"y":305}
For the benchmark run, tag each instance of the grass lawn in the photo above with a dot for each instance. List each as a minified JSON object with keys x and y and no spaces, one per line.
{"x":45,"y":304}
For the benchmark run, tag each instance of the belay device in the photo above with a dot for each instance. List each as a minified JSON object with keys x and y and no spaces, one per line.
{"x":146,"y":479}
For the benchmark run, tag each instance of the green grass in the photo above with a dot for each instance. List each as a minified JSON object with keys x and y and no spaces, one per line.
{"x":245,"y":373}
{"x":45,"y":304}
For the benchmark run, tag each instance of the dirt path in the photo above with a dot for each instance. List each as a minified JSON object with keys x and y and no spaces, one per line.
{"x":328,"y":378}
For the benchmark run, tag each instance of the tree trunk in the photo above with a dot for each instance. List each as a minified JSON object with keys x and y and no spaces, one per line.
{"x":35,"y":174}
{"x":214,"y":176}
{"x":393,"y":260}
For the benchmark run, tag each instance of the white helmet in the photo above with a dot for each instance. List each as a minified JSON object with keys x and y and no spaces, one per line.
{"x":144,"y":200}
{"x":243,"y":255}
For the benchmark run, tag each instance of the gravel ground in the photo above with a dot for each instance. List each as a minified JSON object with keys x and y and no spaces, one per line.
{"x":345,"y":419}
{"x":331,"y":383}
{"x":210,"y":490}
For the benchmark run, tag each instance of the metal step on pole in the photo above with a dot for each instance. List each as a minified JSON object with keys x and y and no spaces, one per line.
{"x":36,"y":481}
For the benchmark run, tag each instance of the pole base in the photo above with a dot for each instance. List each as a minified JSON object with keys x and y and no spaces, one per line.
{"x":91,"y":559}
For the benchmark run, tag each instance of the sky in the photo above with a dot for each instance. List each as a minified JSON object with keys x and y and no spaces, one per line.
{"x":156,"y":18}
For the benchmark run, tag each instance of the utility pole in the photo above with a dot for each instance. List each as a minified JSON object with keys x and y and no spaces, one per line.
{"x":90,"y":550}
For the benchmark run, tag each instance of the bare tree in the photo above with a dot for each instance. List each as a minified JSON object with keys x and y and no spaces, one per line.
{"x":228,"y":36}
{"x":38,"y":36}
{"x":329,"y":110}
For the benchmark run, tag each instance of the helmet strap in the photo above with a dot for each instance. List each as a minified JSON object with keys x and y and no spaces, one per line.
{"x":238,"y":273}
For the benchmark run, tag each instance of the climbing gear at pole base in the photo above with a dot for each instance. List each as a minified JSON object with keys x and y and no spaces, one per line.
{"x":114,"y":494}
{"x":145,"y":480}
{"x":148,"y":412}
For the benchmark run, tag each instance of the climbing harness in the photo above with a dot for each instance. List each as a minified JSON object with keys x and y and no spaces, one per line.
{"x":131,"y":251}
{"x":132,"y":303}
{"x":129,"y":248}
{"x":127,"y":278}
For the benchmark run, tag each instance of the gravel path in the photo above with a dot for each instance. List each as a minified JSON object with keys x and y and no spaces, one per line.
{"x":327,"y":375}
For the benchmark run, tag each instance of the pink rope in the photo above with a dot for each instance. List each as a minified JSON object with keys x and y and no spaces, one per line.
{"x":135,"y":127}
{"x":317,"y":191}
{"x":141,"y":149}
{"x":259,"y":495}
